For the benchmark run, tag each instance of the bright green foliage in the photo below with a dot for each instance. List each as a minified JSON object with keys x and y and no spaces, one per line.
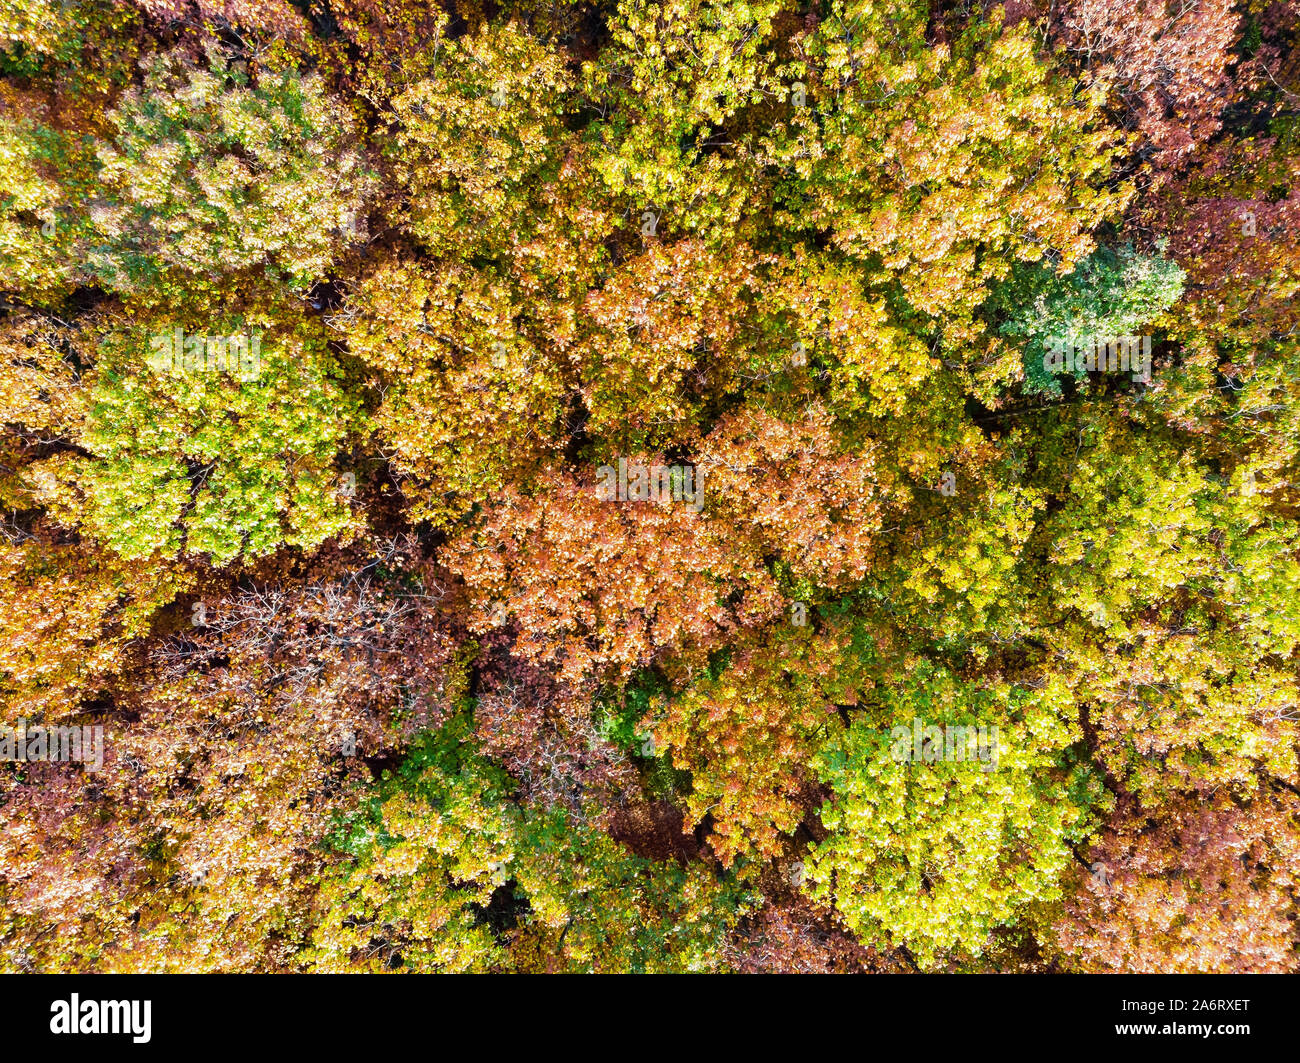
{"x":934,"y":855}
{"x":208,"y":463}
{"x":423,"y":861}
{"x":1187,"y":585}
{"x":444,"y":874}
{"x":594,"y":907}
{"x":1143,"y":522}
{"x":1107,"y":294}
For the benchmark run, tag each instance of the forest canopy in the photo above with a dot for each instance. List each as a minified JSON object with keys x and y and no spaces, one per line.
{"x":638,"y":486}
